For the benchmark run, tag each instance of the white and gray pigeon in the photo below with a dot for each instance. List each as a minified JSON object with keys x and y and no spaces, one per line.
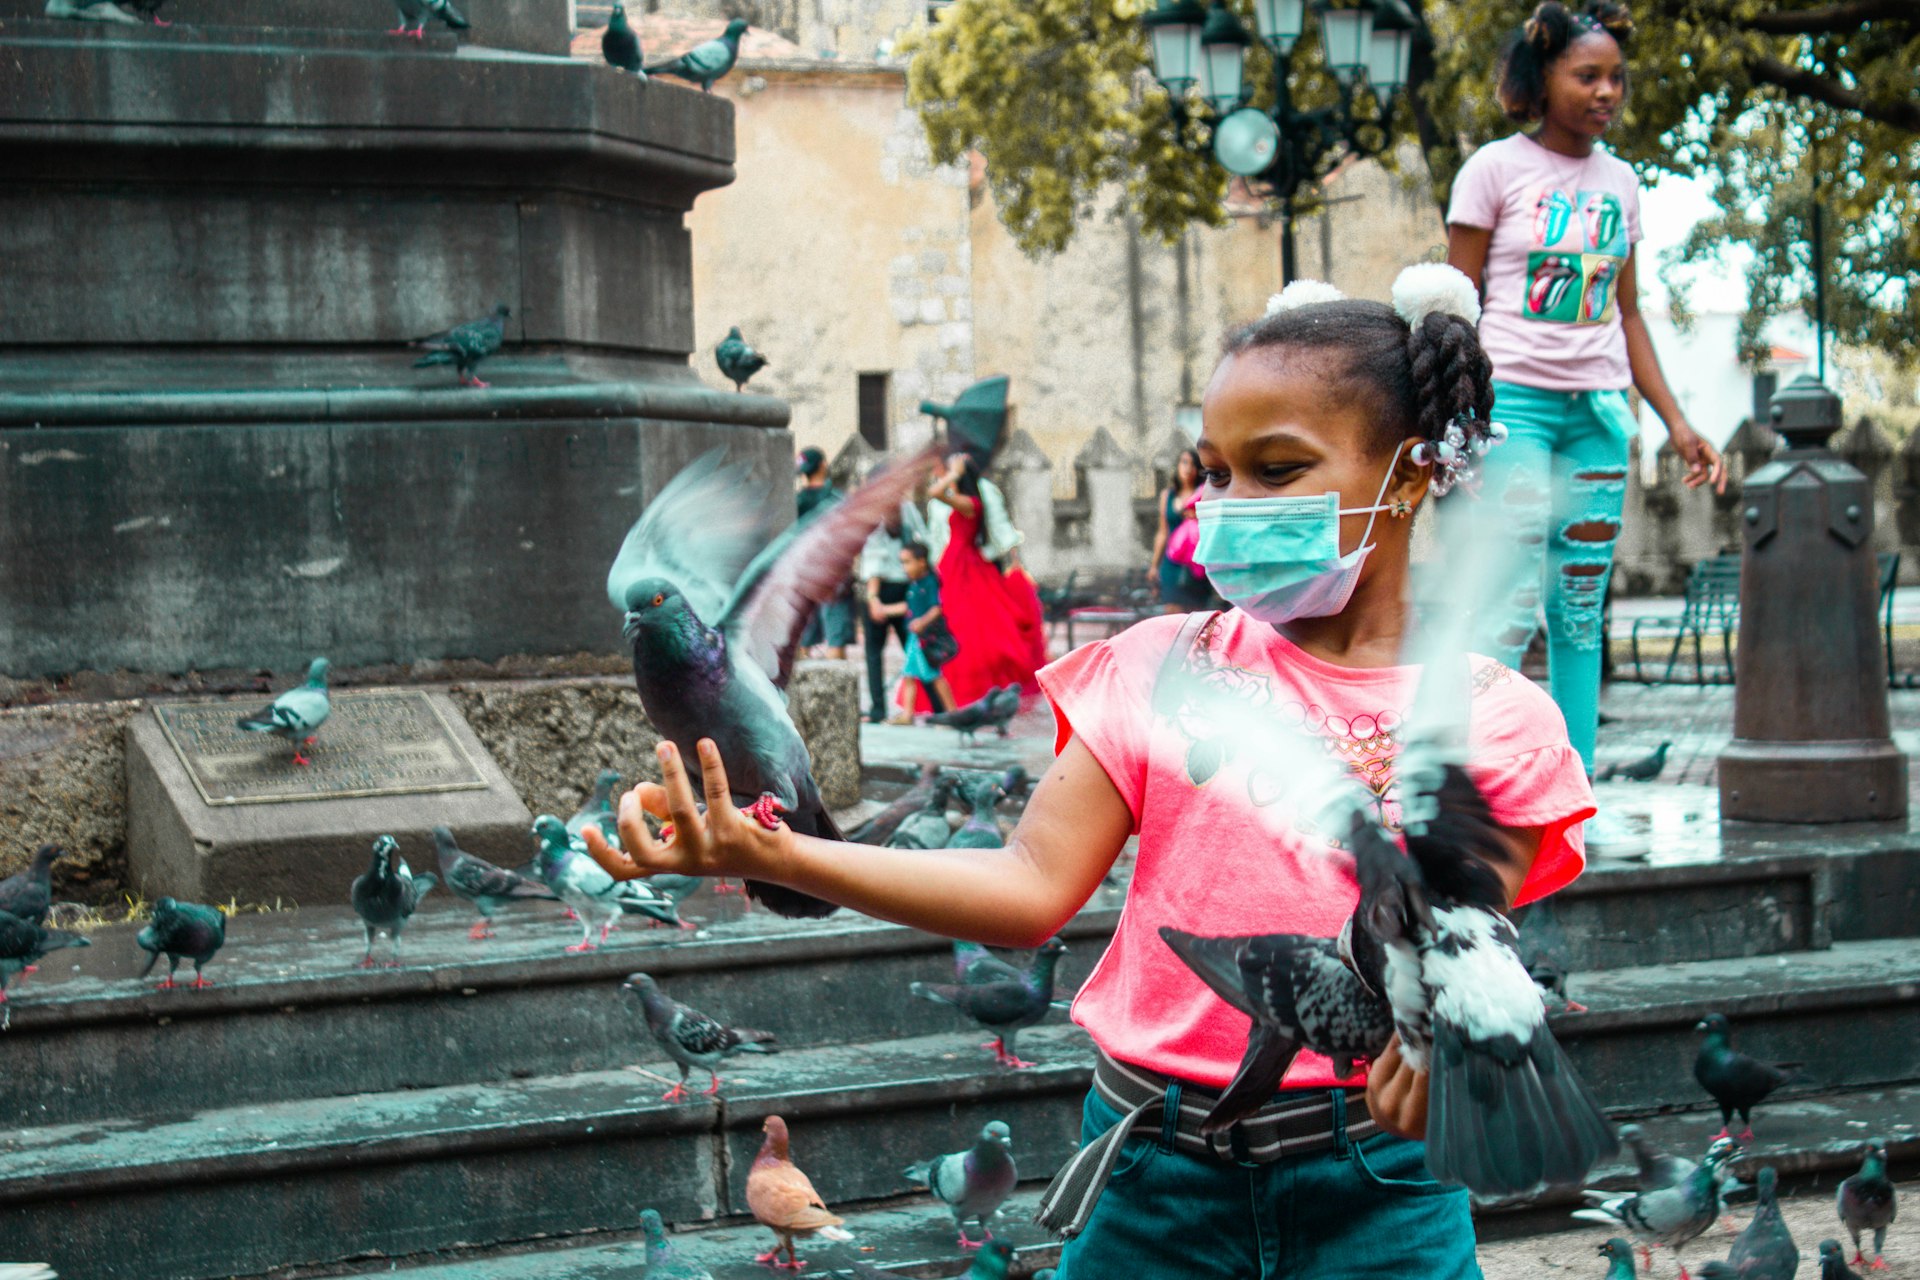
{"x":297,"y":714}
{"x":413,"y":17}
{"x":1671,"y":1216}
{"x":708,"y":61}
{"x":486,"y":886}
{"x":973,"y":1183}
{"x":1765,"y":1250}
{"x":1867,"y":1202}
{"x":385,"y":896}
{"x":569,"y":870}
{"x":690,"y":1037}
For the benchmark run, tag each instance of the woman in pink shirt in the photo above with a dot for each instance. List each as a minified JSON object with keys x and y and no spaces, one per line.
{"x":1325,"y":413}
{"x":1545,"y":224}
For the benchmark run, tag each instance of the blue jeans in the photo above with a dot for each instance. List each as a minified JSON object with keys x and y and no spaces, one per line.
{"x":1369,"y":1209}
{"x":1562,"y":477}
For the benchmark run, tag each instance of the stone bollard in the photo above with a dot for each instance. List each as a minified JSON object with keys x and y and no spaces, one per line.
{"x":1106,"y":482}
{"x":1025,"y":476}
{"x":1811,"y":731}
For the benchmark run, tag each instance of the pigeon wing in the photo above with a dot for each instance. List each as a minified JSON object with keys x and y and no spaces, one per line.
{"x":698,"y":533}
{"x":698,"y":1034}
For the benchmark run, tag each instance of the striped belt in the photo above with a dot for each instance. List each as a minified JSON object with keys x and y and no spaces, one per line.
{"x":1303,"y":1121}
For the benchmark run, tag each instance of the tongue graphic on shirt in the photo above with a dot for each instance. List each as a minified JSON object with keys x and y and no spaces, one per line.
{"x":1551,"y":215}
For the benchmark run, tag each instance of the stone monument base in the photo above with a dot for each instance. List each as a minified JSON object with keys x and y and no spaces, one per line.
{"x":1828,"y":781}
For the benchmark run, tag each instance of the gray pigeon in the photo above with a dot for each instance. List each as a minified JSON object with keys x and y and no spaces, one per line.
{"x":927,"y":827}
{"x":736,"y":358}
{"x":570,"y":871}
{"x":1654,"y":1169}
{"x":1672,"y":1215}
{"x":991,"y":709}
{"x":1006,"y":1004}
{"x":973,"y":1183}
{"x":1867,"y":1203}
{"x":413,"y":17}
{"x":1645,"y":769}
{"x":27,"y":894}
{"x":486,"y":886}
{"x":1548,"y":955}
{"x":22,"y":943}
{"x":1833,"y":1262}
{"x":385,"y":896}
{"x":297,"y":714}
{"x":598,"y":811}
{"x":618,"y":43}
{"x":1765,"y":1250}
{"x":690,"y":1037}
{"x":465,"y":346}
{"x":981,"y":830}
{"x":663,"y":1260}
{"x":183,"y":931}
{"x":705,"y":63}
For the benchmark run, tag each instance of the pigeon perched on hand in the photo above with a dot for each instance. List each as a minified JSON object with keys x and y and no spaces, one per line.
{"x":183,"y":931}
{"x":738,"y":360}
{"x":28,"y":894}
{"x":1765,"y":1250}
{"x":465,"y":346}
{"x":486,"y":886}
{"x":1645,"y":769}
{"x":1833,"y":1262}
{"x":1005,"y":1004}
{"x":663,"y":1260}
{"x":1736,"y":1081}
{"x":1866,"y":1202}
{"x":973,"y":1183}
{"x":690,"y":1037}
{"x":706,"y":62}
{"x":618,"y":43}
{"x":981,"y":830}
{"x":1619,"y":1256}
{"x":1672,"y":1215}
{"x":584,"y":885}
{"x":297,"y":714}
{"x":993,"y":1262}
{"x":696,"y":555}
{"x":783,"y":1199}
{"x":598,"y":811}
{"x":386,"y":895}
{"x":22,"y":943}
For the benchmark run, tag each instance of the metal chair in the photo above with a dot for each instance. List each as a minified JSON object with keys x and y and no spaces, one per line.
{"x":1712,"y":604}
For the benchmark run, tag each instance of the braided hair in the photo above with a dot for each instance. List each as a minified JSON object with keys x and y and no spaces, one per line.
{"x":1541,"y":40}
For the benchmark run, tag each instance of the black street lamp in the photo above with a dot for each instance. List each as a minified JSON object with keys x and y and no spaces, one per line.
{"x":1282,"y":148}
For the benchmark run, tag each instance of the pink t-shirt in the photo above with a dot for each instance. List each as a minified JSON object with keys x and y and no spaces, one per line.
{"x":1221,"y":851}
{"x":1563,"y":230}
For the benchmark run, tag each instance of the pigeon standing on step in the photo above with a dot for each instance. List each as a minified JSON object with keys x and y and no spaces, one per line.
{"x":1619,"y":1256}
{"x":465,"y":346}
{"x":927,"y":827}
{"x":1736,"y":1081}
{"x":618,"y":43}
{"x":737,"y":359}
{"x":783,"y":1199}
{"x":690,"y":1037}
{"x":993,"y":1262}
{"x":1765,"y":1250}
{"x":598,"y":810}
{"x":297,"y":714}
{"x":981,"y":830}
{"x":1548,"y":955}
{"x":413,"y":17}
{"x":1867,"y":1203}
{"x":386,"y":895}
{"x":22,"y":943}
{"x":1645,"y":769}
{"x":585,"y":886}
{"x":1833,"y":1262}
{"x":183,"y":931}
{"x":1672,"y":1215}
{"x":28,"y":894}
{"x":973,"y":1183}
{"x":700,"y":552}
{"x":486,"y":886}
{"x":1006,"y":1004}
{"x":706,"y":62}
{"x":663,"y":1260}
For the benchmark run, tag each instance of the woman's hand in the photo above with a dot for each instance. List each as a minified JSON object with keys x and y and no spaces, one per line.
{"x":720,"y":842}
{"x":1704,"y":463}
{"x":1396,"y":1093}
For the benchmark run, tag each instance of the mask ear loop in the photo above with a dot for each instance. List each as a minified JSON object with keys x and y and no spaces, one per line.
{"x":1373,"y":512}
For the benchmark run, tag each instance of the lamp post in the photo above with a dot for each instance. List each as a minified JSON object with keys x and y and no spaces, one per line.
{"x":1282,"y":148}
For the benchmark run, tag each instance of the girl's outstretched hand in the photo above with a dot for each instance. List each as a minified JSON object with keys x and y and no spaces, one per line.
{"x":720,"y":842}
{"x":1704,"y":463}
{"x":1397,"y":1094}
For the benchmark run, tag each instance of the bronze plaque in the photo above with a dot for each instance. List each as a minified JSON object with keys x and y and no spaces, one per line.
{"x":388,"y":743}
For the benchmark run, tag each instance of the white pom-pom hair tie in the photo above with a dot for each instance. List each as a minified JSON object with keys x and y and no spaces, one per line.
{"x":1428,"y":288}
{"x":1303,"y":293}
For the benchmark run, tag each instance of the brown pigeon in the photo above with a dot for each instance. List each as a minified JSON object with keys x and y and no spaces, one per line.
{"x":784,"y":1201}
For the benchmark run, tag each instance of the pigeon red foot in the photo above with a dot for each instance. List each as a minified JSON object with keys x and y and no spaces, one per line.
{"x":981,"y":1243}
{"x":676,"y":1093}
{"x":1746,"y":1135}
{"x":585,"y":944}
{"x":766,"y":811}
{"x":469,"y":379}
{"x":713,"y":1088}
{"x":1004,"y":1058}
{"x":481,"y":929}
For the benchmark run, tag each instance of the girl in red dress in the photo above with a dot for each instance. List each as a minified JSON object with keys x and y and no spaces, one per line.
{"x":995,"y":615}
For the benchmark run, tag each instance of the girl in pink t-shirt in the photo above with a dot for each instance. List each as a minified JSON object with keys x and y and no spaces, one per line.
{"x":1326,"y":399}
{"x":1545,"y":223}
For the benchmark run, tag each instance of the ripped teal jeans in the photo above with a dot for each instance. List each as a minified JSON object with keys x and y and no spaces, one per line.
{"x":1561,"y":477}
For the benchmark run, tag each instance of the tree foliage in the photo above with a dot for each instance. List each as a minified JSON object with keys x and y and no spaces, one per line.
{"x":1757,"y":97}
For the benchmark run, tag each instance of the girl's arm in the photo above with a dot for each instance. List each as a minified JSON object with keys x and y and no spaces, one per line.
{"x":919,"y":625}
{"x":1159,"y":534}
{"x":1704,"y":463}
{"x":1467,"y":252}
{"x":1073,"y":828}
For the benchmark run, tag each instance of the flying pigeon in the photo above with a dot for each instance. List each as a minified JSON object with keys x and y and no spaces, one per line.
{"x":1645,"y":769}
{"x":413,"y":17}
{"x":714,"y":619}
{"x":973,"y":1183}
{"x":1833,"y":1262}
{"x":991,"y":709}
{"x":927,"y":827}
{"x":1765,"y":1250}
{"x":1736,"y":1081}
{"x":1619,"y":1256}
{"x":1300,"y":994}
{"x":1866,"y":1203}
{"x":707,"y":62}
{"x":22,"y":943}
{"x":486,"y":886}
{"x":736,"y":358}
{"x":981,"y":830}
{"x":581,"y":883}
{"x":690,"y":1037}
{"x":618,"y":43}
{"x":27,"y":894}
{"x":1548,"y":956}
{"x":663,"y":1260}
{"x":297,"y":714}
{"x":465,"y":346}
{"x":183,"y":931}
{"x":1672,"y":1215}
{"x":598,"y":811}
{"x":386,"y":895}
{"x":1006,"y":1004}
{"x":993,"y":1262}
{"x":784,"y":1201}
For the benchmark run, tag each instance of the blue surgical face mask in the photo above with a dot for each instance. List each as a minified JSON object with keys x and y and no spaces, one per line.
{"x":1279,"y":559}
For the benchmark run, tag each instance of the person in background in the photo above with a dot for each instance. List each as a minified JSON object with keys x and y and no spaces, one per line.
{"x":994,"y":612}
{"x":922,"y":609}
{"x":886,"y":580}
{"x":1182,"y":588}
{"x":832,"y":623}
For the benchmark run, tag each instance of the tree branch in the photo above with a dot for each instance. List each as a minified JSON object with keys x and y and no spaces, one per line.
{"x":1806,"y":84}
{"x":1833,"y":18}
